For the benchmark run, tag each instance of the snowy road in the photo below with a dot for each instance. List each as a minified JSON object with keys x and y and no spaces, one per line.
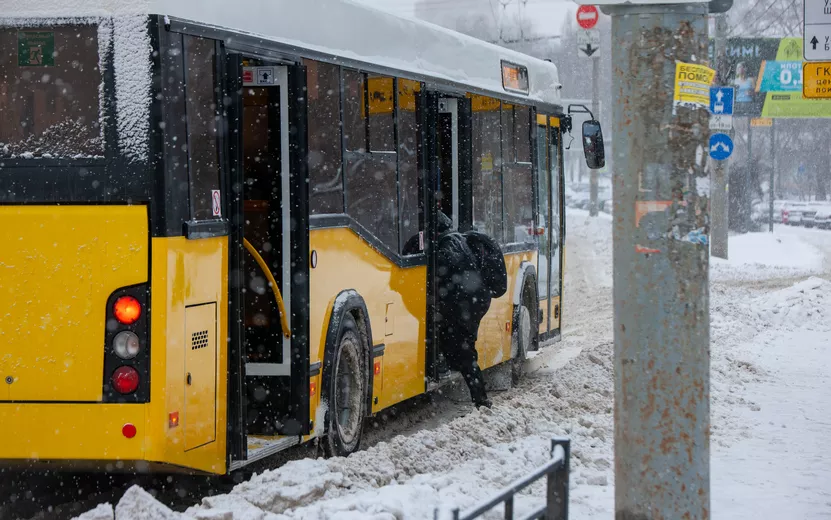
{"x":771,"y":409}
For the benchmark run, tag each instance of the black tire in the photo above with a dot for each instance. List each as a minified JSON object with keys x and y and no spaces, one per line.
{"x":521,"y":341}
{"x":347,"y":379}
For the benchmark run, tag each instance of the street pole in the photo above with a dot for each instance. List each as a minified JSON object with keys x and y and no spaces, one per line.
{"x":720,"y":205}
{"x":661,"y":279}
{"x":593,"y":176}
{"x":771,"y":193}
{"x":746,"y":200}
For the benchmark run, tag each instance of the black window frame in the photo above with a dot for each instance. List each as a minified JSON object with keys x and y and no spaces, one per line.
{"x":218,"y":139}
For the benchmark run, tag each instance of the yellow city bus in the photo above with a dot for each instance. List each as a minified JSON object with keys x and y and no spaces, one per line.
{"x":218,"y":222}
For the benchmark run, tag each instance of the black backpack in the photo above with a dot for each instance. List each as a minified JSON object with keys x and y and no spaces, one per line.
{"x":491,"y":262}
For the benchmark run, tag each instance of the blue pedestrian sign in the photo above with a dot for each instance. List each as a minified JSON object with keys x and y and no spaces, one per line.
{"x":721,"y":146}
{"x":721,"y":100}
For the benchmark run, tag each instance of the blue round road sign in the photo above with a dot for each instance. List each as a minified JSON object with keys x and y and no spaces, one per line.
{"x":721,"y":146}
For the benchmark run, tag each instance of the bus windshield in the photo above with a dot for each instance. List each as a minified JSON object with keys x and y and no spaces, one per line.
{"x":49,"y":92}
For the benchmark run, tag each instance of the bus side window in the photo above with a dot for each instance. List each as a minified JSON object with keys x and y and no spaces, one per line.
{"x":409,"y":167}
{"x":371,"y":175}
{"x":487,"y":166}
{"x":325,"y":160}
{"x":201,"y":108}
{"x":517,"y":173}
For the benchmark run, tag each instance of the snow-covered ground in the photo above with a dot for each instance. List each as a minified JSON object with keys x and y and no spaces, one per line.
{"x":771,"y":403}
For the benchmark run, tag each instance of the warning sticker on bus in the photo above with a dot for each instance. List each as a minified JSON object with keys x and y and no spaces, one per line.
{"x":216,"y":203}
{"x":692,"y":85}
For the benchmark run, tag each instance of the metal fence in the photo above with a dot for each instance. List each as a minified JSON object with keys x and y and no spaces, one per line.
{"x":556,"y":495}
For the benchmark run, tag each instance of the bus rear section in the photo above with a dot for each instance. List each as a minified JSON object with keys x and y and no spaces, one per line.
{"x":114,"y":265}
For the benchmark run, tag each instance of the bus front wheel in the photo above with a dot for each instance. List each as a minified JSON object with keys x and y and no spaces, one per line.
{"x":346,"y":396}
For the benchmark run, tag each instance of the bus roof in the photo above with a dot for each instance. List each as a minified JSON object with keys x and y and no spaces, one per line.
{"x":338,"y":28}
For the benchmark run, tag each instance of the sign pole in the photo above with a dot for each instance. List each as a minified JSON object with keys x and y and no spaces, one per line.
{"x":771,"y":192}
{"x":720,"y":206}
{"x":661,"y":261}
{"x":593,"y":175}
{"x":747,"y":204}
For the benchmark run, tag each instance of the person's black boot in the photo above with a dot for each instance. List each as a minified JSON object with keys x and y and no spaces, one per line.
{"x":483,"y":402}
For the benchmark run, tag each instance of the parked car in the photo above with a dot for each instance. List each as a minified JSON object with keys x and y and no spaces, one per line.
{"x":777,"y":210}
{"x":822,"y":217}
{"x":792,"y":213}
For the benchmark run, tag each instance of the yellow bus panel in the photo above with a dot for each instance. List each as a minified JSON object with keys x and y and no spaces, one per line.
{"x":59,"y":265}
{"x":395,"y":298}
{"x":187,"y":275}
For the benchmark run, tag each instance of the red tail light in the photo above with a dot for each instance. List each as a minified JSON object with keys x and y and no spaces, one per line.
{"x":128,"y":431}
{"x":127,"y":310}
{"x":125,"y":380}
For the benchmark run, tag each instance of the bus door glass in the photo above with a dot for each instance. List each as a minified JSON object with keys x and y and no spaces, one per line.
{"x":544,"y":219}
{"x":447,"y":137}
{"x":555,"y":180}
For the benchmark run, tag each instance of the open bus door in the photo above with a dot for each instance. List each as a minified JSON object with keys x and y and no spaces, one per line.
{"x":269,"y":261}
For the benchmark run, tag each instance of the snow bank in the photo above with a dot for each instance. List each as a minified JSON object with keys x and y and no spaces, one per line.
{"x":757,"y":256}
{"x":796,"y":305}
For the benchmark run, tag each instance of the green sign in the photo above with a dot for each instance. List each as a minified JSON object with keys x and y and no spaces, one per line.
{"x":36,"y":49}
{"x":791,"y":104}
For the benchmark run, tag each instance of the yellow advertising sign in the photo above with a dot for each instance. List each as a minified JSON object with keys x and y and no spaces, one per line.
{"x":692,"y":84}
{"x":816,"y":80}
{"x":761,"y":121}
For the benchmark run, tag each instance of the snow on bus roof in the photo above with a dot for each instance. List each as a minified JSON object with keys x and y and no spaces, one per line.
{"x":333,"y":27}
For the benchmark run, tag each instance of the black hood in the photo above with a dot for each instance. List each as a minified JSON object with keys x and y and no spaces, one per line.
{"x":443,"y":224}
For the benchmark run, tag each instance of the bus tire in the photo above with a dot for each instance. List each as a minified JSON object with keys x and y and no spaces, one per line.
{"x":346,"y":396}
{"x":522,"y":340}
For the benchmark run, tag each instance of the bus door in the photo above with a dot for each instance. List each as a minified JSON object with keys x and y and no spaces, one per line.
{"x":449,"y":190}
{"x":269,"y":342}
{"x":550,"y":223}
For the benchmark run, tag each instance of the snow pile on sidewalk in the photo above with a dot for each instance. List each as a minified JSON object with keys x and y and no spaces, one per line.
{"x":758,"y":256}
{"x":794,"y":306}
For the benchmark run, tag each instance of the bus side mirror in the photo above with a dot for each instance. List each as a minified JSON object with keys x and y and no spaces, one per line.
{"x":593,"y":145}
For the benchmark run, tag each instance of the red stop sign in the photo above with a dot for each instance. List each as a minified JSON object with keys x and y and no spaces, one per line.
{"x":587,"y":16}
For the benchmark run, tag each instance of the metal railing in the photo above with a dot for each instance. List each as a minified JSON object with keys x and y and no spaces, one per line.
{"x":556,"y":495}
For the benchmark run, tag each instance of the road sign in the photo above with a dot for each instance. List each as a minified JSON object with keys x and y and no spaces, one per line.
{"x":721,"y":100}
{"x":588,"y":43}
{"x":720,"y":122}
{"x":761,"y":121}
{"x":816,"y":80}
{"x":587,"y":16}
{"x":721,"y":146}
{"x":816,"y":42}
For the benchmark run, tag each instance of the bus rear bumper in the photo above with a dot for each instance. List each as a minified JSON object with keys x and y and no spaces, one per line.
{"x":89,"y":432}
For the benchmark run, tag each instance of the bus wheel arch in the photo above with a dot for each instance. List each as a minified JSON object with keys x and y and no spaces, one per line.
{"x":346,"y":351}
{"x":525,"y":328}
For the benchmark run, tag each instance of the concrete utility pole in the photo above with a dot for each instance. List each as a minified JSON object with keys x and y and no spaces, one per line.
{"x":771,"y":191}
{"x":593,"y":175}
{"x":720,"y":204}
{"x":661,"y":282}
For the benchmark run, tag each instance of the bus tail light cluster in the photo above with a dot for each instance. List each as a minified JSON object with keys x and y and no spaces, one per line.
{"x":127,"y":346}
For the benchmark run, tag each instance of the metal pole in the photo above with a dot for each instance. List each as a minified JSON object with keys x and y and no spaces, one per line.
{"x":593,"y":180}
{"x":719,"y":203}
{"x":746,"y":196}
{"x":556,"y":504}
{"x":661,"y":283}
{"x":771,"y":192}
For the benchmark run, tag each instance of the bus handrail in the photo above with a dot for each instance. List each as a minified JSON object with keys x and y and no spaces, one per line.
{"x":274,"y":287}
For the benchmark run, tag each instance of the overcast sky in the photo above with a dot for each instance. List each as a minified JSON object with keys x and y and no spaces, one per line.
{"x":547,"y":15}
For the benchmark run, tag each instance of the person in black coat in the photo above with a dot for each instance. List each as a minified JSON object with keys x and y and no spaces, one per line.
{"x":470,"y":272}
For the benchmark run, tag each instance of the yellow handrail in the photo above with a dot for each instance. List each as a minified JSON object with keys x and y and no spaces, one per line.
{"x":274,"y":287}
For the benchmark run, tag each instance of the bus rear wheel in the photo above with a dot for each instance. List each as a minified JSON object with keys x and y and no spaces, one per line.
{"x":521,"y":342}
{"x":346,"y":396}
